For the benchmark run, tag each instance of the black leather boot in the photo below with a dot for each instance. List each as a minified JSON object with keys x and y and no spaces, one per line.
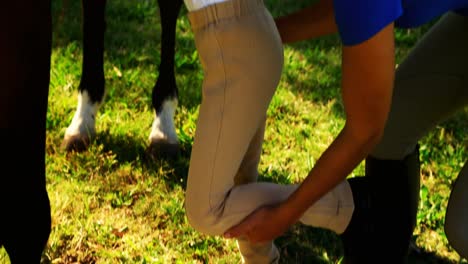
{"x":357,"y":238}
{"x":386,"y":203}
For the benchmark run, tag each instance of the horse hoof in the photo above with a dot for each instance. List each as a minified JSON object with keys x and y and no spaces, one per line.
{"x":163,"y":150}
{"x":75,"y":144}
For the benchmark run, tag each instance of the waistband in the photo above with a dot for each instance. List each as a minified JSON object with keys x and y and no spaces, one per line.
{"x":224,"y":10}
{"x":193,"y":5}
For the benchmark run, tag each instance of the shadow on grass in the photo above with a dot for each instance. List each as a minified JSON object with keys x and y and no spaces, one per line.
{"x":131,"y":150}
{"x":127,"y":148}
{"x":425,"y":257}
{"x":304,"y":244}
{"x":178,"y":167}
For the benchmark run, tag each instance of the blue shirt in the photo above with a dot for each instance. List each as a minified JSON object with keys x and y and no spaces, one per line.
{"x":359,"y":20}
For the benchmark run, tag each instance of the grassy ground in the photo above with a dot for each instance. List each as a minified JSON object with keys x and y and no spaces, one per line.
{"x":111,"y":205}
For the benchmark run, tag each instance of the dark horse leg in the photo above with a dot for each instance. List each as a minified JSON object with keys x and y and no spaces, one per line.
{"x":91,"y":89}
{"x":163,"y":138}
{"x":25,"y":47}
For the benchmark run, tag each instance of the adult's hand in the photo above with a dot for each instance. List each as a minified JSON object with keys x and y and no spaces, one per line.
{"x":264,"y":224}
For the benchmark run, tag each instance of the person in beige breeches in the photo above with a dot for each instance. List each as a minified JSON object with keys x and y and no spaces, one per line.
{"x":242,"y":58}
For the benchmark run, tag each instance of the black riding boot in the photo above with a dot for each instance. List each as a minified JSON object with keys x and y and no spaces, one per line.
{"x":386,"y":203}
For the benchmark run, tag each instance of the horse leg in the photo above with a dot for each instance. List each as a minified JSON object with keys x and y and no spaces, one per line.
{"x":92,"y":85}
{"x":25,"y":48}
{"x":163,"y":138}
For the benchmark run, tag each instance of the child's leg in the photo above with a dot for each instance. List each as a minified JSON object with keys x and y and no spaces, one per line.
{"x":248,"y":173}
{"x":244,"y":169}
{"x":248,"y":169}
{"x":242,"y":57}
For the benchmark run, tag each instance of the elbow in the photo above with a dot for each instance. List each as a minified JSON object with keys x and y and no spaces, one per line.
{"x":367,"y":136}
{"x":375,"y":133}
{"x":374,"y":137}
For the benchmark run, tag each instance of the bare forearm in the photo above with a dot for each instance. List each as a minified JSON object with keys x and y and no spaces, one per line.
{"x":367,"y":81}
{"x":311,"y":22}
{"x":338,"y":161}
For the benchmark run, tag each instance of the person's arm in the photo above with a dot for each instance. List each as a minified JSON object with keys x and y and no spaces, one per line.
{"x":367,"y":83}
{"x":311,"y":22}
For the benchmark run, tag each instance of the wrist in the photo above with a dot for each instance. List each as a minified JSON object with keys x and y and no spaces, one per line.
{"x":290,"y":211}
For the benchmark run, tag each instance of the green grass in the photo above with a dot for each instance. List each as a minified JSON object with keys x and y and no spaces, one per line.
{"x":111,"y":205}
